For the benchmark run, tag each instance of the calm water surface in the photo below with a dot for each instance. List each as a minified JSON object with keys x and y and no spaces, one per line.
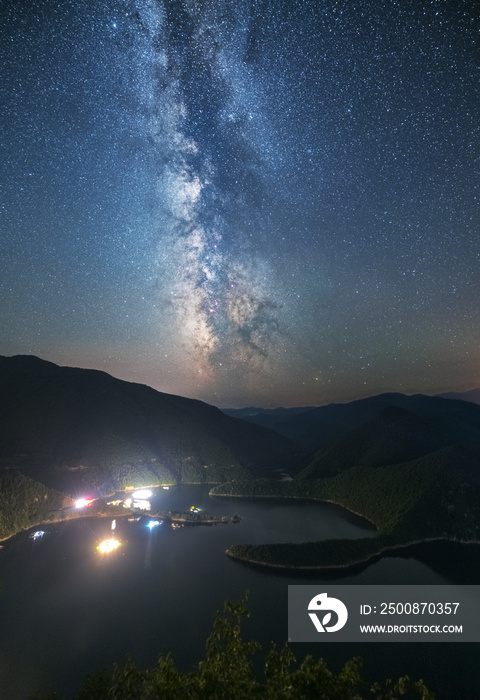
{"x":65,"y":610}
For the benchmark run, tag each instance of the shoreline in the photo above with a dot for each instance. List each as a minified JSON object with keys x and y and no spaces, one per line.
{"x":300,"y":498}
{"x":378,"y":554}
{"x":186,"y":518}
{"x":179,"y":518}
{"x":76,"y":515}
{"x":62,"y":520}
{"x":381,"y":552}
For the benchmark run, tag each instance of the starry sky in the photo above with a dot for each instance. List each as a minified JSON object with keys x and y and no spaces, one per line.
{"x":256,"y":202}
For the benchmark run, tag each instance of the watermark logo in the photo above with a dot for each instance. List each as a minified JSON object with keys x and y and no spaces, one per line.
{"x":397,"y":613}
{"x":323,"y":602}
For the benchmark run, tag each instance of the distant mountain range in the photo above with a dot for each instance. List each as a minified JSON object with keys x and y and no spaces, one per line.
{"x":390,"y":429}
{"x":410,"y":464}
{"x":268,"y":417}
{"x":393,"y":419}
{"x":71,"y":428}
{"x":74,"y":428}
{"x":473,"y":395}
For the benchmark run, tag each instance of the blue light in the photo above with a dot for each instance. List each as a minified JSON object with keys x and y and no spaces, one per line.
{"x":153,"y":523}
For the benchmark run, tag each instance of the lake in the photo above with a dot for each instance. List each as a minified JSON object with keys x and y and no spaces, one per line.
{"x":66,"y":610}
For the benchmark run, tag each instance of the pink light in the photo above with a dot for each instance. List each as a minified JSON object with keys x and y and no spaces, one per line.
{"x":83,"y":502}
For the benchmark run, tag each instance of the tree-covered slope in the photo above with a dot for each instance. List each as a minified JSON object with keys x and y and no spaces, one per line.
{"x":228,"y":672}
{"x":25,"y":502}
{"x":268,"y":417}
{"x":395,"y":435}
{"x":435,"y":496}
{"x":320,"y":427}
{"x":73,"y":426}
{"x":399,"y":434}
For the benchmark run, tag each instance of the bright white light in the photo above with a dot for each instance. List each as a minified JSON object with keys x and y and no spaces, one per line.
{"x":142,"y":505}
{"x":108,"y":546}
{"x":82,"y":502}
{"x":143,"y":493}
{"x":114,"y":524}
{"x":153,"y":523}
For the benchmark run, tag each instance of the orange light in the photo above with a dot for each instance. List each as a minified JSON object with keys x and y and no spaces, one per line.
{"x":108,"y":546}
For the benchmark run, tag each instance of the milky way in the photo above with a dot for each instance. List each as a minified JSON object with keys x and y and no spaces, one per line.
{"x":250,"y":202}
{"x":196,"y":89}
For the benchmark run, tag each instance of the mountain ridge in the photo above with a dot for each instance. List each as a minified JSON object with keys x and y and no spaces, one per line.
{"x":316,"y":427}
{"x":473,"y":395}
{"x":83,"y":427}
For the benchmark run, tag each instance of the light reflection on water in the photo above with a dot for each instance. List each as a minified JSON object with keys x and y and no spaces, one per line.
{"x":71,"y":610}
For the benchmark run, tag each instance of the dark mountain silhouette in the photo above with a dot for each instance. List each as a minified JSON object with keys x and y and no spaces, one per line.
{"x":76,"y":427}
{"x":314,"y":427}
{"x":317,"y":427}
{"x":268,"y":417}
{"x":398,"y":434}
{"x":473,"y":395}
{"x":381,"y":430}
{"x":433,"y":497}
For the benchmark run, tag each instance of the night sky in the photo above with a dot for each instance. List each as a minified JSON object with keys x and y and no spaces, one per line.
{"x":251,"y":203}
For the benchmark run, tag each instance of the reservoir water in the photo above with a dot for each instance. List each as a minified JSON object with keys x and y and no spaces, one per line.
{"x":66,"y":610}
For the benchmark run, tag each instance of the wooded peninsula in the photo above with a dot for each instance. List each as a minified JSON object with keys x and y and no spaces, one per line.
{"x":422,"y":500}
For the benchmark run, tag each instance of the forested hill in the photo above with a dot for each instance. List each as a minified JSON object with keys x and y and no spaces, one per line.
{"x":70,"y":428}
{"x":399,"y":433}
{"x":410,"y":464}
{"x":433,"y":497}
{"x":25,"y":502}
{"x":442,"y":421}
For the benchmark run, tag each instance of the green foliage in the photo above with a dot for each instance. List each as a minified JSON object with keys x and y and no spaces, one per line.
{"x":194,"y":518}
{"x":191,"y":473}
{"x":325,"y":553}
{"x":214,"y":473}
{"x":227,"y":673}
{"x":390,"y":429}
{"x":162,"y":473}
{"x":24,"y":502}
{"x":435,"y":496}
